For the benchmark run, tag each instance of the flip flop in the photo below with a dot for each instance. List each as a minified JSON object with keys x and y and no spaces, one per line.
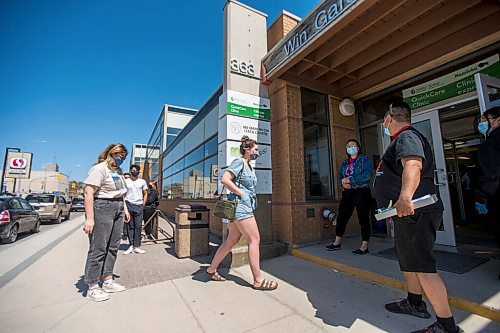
{"x":266,"y":285}
{"x":215,"y":276}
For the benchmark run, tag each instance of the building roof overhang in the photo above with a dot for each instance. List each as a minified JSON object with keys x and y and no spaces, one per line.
{"x":352,"y":48}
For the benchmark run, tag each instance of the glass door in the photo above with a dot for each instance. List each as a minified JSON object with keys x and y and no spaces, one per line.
{"x":488,"y":91}
{"x":428,"y":124}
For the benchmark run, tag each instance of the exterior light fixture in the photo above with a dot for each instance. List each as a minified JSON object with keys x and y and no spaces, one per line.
{"x":328,"y":214}
{"x":346,"y":107}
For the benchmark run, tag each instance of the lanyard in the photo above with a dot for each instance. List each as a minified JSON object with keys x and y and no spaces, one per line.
{"x":350,"y":167}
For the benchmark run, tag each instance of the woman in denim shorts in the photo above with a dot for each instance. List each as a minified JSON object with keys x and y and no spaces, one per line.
{"x":240,"y":179}
{"x":105,"y":212}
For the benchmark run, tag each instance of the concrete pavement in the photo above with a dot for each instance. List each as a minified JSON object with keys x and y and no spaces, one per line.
{"x":47,"y":296}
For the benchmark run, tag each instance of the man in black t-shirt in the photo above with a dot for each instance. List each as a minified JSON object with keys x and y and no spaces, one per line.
{"x":405,"y":173}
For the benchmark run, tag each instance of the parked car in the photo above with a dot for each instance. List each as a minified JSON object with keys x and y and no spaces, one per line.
{"x":77,"y":204}
{"x":51,"y":207}
{"x":17,"y":216}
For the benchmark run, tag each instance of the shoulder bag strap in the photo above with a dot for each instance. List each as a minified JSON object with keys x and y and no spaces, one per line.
{"x":238,"y":179}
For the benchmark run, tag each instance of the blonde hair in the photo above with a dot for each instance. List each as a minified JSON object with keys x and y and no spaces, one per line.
{"x":114,"y":148}
{"x":246,"y":142}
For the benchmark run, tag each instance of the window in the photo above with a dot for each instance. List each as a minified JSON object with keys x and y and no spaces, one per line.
{"x":14,"y":203}
{"x":25,"y":204}
{"x":317,"y":161}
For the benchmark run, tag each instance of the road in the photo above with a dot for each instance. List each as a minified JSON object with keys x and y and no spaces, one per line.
{"x":16,"y":257}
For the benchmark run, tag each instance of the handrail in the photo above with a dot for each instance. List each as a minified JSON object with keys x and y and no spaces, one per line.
{"x":167,"y":236}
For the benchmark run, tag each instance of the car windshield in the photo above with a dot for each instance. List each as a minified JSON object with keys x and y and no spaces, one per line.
{"x":3,"y":202}
{"x":77,"y":201}
{"x":40,"y":198}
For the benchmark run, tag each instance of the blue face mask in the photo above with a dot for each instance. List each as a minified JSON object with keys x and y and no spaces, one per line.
{"x":483,"y":127}
{"x":253,"y":156}
{"x":352,"y":150}
{"x":118,"y":160}
{"x":134,"y":174}
{"x":386,"y":130}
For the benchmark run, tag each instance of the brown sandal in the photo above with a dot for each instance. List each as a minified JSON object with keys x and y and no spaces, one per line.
{"x":215,"y":276}
{"x":266,"y":285}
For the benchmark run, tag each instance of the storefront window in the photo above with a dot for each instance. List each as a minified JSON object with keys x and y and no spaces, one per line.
{"x":317,"y":161}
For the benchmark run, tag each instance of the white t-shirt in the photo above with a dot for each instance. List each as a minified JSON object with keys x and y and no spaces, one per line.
{"x":110,"y":184}
{"x":135,"y":188}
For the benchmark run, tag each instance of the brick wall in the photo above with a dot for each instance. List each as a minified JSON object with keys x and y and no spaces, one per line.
{"x":280,"y":28}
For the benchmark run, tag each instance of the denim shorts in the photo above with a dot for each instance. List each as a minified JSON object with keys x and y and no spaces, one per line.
{"x":244,"y":209}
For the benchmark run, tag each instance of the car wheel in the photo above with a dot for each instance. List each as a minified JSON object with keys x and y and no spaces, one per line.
{"x":36,"y":228}
{"x":58,"y":220}
{"x":67,"y":216}
{"x":12,"y":234}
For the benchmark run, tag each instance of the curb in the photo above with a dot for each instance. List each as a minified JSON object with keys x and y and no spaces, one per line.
{"x":457,"y":302}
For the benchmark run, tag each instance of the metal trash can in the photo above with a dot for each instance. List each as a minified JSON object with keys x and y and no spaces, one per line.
{"x":191,"y":230}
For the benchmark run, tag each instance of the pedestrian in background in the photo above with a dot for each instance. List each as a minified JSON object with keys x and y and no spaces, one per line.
{"x":153,"y":200}
{"x":240,"y":171}
{"x":488,"y":192}
{"x":406,"y":172}
{"x":135,"y":199}
{"x":126,"y":175}
{"x":105,"y":212}
{"x":355,"y":175}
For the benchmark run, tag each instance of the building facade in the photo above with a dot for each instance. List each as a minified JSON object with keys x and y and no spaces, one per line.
{"x":330,"y":77}
{"x":171,"y":121}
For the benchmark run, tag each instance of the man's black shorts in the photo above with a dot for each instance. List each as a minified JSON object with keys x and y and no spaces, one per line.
{"x":415,"y":238}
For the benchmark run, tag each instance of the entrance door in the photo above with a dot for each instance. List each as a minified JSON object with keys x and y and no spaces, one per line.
{"x":428,"y":124}
{"x":488,"y":91}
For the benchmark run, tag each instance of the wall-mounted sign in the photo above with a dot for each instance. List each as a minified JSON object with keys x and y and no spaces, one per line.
{"x":235,"y":127}
{"x":19,"y":165}
{"x":230,"y":150}
{"x":213,"y":174}
{"x":453,"y":84}
{"x":305,"y":32}
{"x":245,"y":105}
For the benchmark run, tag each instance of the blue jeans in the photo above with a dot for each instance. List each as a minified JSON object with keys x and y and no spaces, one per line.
{"x":104,"y":240}
{"x":135,"y":224}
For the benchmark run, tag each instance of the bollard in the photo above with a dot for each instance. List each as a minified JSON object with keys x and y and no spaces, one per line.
{"x":191,"y":230}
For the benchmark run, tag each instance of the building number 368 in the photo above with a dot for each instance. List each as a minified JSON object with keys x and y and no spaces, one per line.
{"x":242,"y":67}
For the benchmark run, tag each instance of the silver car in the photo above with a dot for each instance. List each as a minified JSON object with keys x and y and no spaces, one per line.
{"x":50,"y":207}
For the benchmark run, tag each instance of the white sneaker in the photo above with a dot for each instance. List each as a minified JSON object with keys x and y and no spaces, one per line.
{"x":129,"y":250}
{"x":113,"y":287}
{"x":139,"y":250}
{"x":97,"y":294}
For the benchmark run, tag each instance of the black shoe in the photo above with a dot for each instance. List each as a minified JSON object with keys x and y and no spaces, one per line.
{"x":332,"y":247}
{"x":359,"y":251}
{"x":405,"y":307}
{"x":437,"y":328}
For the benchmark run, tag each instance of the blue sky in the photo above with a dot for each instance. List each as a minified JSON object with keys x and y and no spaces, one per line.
{"x":78,"y":75}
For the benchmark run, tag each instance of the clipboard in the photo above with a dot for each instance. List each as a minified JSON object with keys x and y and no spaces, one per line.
{"x":426,"y":200}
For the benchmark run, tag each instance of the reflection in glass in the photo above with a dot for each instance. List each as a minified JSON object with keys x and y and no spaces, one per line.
{"x":318,"y":179}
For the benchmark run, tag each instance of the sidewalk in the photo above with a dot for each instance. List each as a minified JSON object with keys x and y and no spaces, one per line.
{"x":47,"y":297}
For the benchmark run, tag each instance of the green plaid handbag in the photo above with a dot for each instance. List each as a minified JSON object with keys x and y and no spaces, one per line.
{"x":225,"y":208}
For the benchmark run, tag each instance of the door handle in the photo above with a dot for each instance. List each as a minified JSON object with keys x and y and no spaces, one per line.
{"x":436,"y":178}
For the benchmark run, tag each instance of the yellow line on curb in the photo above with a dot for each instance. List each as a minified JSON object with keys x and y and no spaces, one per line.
{"x":457,"y":302}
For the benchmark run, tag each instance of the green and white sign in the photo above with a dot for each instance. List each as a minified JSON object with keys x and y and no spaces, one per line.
{"x":245,"y":105}
{"x":451,"y":85}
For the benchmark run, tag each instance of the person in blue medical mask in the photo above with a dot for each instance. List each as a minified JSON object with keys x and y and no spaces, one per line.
{"x":105,"y":213}
{"x":355,"y":175}
{"x":488,"y":192}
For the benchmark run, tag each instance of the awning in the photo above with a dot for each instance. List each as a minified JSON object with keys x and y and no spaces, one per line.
{"x":351,"y":48}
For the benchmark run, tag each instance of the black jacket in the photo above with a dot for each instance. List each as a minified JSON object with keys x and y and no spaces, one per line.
{"x":153,"y":198}
{"x":489,"y":161}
